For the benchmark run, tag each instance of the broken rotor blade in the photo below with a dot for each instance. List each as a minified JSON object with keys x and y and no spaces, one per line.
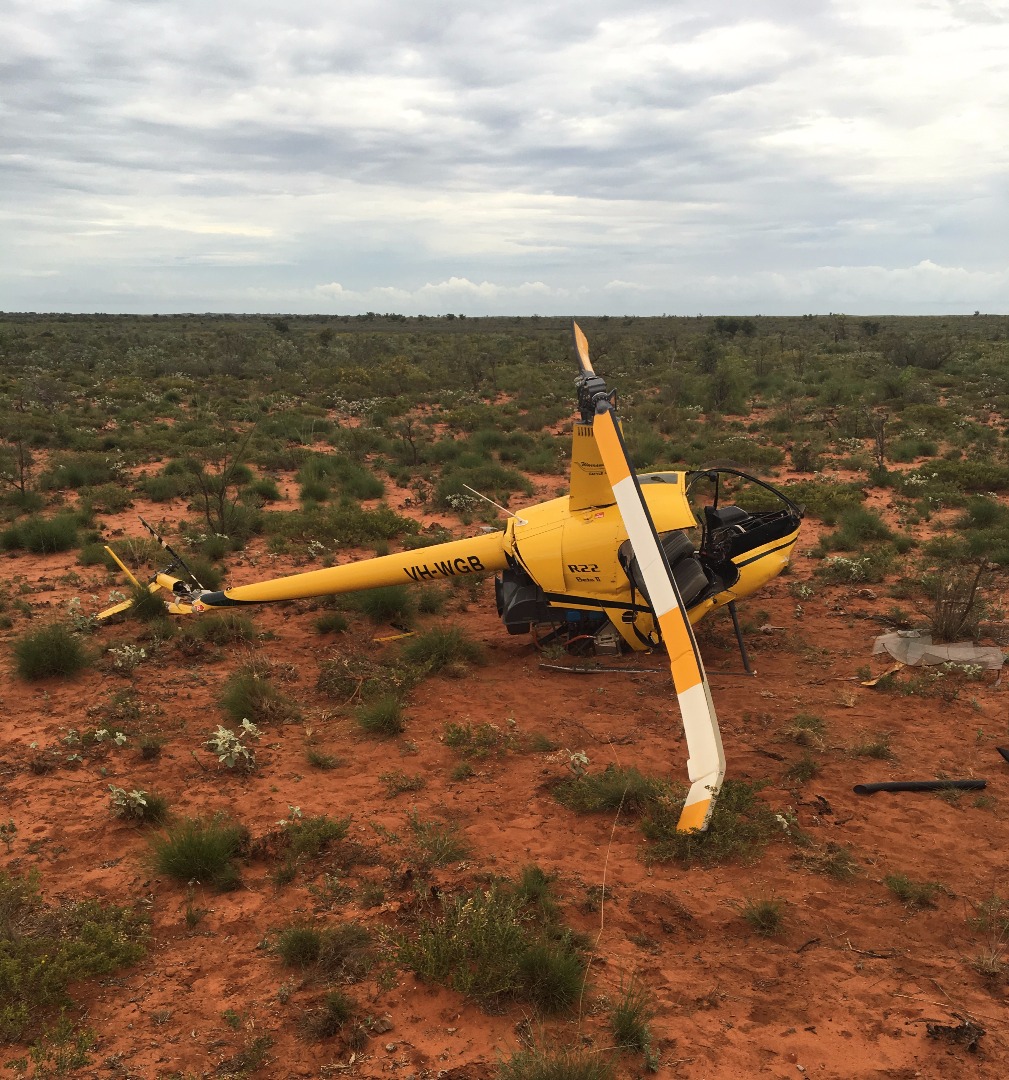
{"x":706,"y":758}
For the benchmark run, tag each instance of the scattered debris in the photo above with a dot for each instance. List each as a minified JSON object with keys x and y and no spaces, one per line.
{"x":967,"y":1033}
{"x":914,"y":647}
{"x":879,"y":678}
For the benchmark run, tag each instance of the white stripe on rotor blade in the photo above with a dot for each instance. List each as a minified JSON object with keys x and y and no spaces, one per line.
{"x":704,"y":744}
{"x":646,"y":548}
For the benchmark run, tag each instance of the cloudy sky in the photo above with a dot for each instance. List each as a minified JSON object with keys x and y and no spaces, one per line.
{"x":479,"y":157}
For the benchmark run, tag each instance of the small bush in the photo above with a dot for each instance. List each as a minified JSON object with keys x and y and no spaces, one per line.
{"x":832,"y":860}
{"x":223,"y":628}
{"x":741,"y":826}
{"x":398,"y":782}
{"x":147,"y":606}
{"x":877,"y":748}
{"x":299,"y":946}
{"x":392,"y":603}
{"x":41,"y":535}
{"x":138,"y":805}
{"x":265,"y":490}
{"x":858,"y":527}
{"x":336,"y":952}
{"x":107,"y":499}
{"x":479,"y":741}
{"x":52,"y":651}
{"x":438,"y":843}
{"x":487,"y":947}
{"x":331,"y":622}
{"x":199,"y":849}
{"x":616,"y":787}
{"x":914,"y":894}
{"x":537,"y":1063}
{"x":319,"y":760}
{"x":46,"y":949}
{"x":381,"y":718}
{"x":250,"y":695}
{"x":630,"y":1016}
{"x":807,"y":730}
{"x":333,"y":1013}
{"x":803,"y":770}
{"x":765,"y":917}
{"x":307,"y":837}
{"x":438,"y":649}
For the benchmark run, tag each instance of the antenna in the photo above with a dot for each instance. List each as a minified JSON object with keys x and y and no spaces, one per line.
{"x":503,"y":509}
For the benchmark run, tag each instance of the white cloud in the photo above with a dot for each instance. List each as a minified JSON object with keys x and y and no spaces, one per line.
{"x":682,"y":157}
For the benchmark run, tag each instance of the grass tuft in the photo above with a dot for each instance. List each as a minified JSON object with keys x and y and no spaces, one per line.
{"x":250,"y":695}
{"x":765,"y":916}
{"x":615,"y":787}
{"x":443,"y":648}
{"x":200,"y":849}
{"x":741,"y":826}
{"x":381,"y":718}
{"x":913,"y":894}
{"x":490,"y":947}
{"x":50,"y":652}
{"x":629,"y":1018}
{"x":564,"y":1063}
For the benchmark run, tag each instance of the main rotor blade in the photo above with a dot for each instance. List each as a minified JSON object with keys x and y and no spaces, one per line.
{"x":706,"y":758}
{"x":582,"y":349}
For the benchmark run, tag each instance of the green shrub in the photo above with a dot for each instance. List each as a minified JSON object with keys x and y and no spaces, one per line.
{"x":877,"y":748}
{"x":54,"y":650}
{"x":741,"y":826}
{"x":299,"y":946}
{"x":199,"y":849}
{"x":47,"y":948}
{"x":165,"y":486}
{"x":440,"y":648}
{"x":147,"y":606}
{"x":107,"y":499}
{"x":75,"y":471}
{"x":479,"y":741}
{"x":308,"y":837}
{"x":868,"y":568}
{"x":803,"y":770}
{"x":765,"y":916}
{"x":556,"y":1063}
{"x":486,"y":945}
{"x":437,"y":843}
{"x":386,"y":604}
{"x":314,"y":491}
{"x":858,"y":527}
{"x":331,"y":622}
{"x":223,"y":628}
{"x":614,"y":788}
{"x":630,"y":1016}
{"x":41,"y":535}
{"x":336,"y":1009}
{"x":265,"y":490}
{"x":250,"y":695}
{"x":338,"y":952}
{"x":145,"y":807}
{"x":982,"y":513}
{"x":915,"y":894}
{"x":348,"y":524}
{"x":823,"y":499}
{"x":382,"y":718}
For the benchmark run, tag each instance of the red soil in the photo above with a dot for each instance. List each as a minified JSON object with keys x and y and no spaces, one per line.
{"x":844,"y":991}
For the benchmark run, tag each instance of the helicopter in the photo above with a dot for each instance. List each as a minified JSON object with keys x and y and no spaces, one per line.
{"x":610,"y":566}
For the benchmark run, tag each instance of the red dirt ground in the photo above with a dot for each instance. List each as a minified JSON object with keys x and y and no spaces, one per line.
{"x":844,"y":991}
